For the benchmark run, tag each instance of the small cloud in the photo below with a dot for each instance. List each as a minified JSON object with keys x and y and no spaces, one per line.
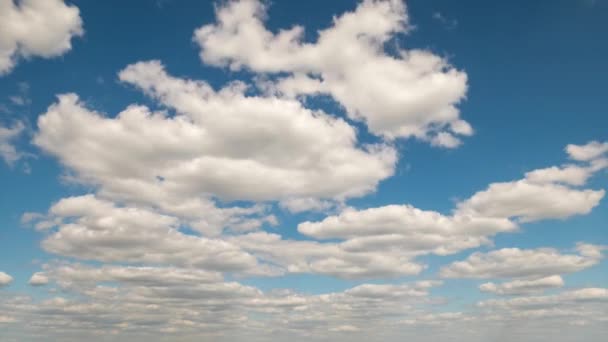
{"x":449,"y":24}
{"x":38,"y":279}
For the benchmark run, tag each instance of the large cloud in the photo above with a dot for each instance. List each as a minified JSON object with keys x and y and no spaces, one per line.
{"x":89,"y":228}
{"x":41,"y":28}
{"x":145,"y":301}
{"x":409,"y":93}
{"x":221,"y":145}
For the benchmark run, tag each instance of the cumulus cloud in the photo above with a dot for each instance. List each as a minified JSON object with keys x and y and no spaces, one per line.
{"x":548,"y":193}
{"x":333,"y":259}
{"x":411,"y":93}
{"x":522,"y":263}
{"x":38,"y":279}
{"x":591,"y":150}
{"x":407,"y":229}
{"x":220,"y":145}
{"x":525,"y":286}
{"x":89,"y":228}
{"x":5,"y":279}
{"x":530,"y":201}
{"x":8,"y":152}
{"x":42,"y":28}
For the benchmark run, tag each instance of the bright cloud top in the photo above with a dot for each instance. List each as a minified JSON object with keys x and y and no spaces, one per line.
{"x":412,"y":93}
{"x":42,"y":28}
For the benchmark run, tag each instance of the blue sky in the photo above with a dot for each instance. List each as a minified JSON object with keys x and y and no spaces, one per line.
{"x":388,"y":159}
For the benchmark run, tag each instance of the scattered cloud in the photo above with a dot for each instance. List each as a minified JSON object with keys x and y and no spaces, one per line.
{"x":411,"y":94}
{"x":38,"y":279}
{"x":42,"y":28}
{"x":5,"y":279}
{"x":522,"y":263}
{"x":521,"y":287}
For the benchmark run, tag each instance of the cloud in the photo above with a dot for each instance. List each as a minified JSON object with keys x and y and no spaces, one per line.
{"x":411,"y":93}
{"x":42,"y":28}
{"x":407,"y":229}
{"x":180,"y":303}
{"x":8,"y":152}
{"x":297,"y":256}
{"x":548,"y":193}
{"x":561,"y":299}
{"x":449,"y":24}
{"x":587,"y":152}
{"x":38,"y":279}
{"x":5,"y":279}
{"x":531,"y":201}
{"x":220,"y":145}
{"x":89,"y":228}
{"x":522,"y":263}
{"x":521,"y":287}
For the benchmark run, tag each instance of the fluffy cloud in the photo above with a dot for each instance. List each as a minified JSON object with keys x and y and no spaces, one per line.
{"x":531,"y":201}
{"x":591,"y":150}
{"x":220,"y":145}
{"x":38,"y":279}
{"x":548,"y":193}
{"x":5,"y":279}
{"x":297,"y":256}
{"x":522,"y":263}
{"x":520,"y":287}
{"x":41,"y":28}
{"x":412,"y":93}
{"x":407,"y":229}
{"x":89,"y":228}
{"x":8,"y":152}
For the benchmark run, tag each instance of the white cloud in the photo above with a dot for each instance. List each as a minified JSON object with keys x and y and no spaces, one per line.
{"x":297,"y":256}
{"x":8,"y":152}
{"x":563,"y":298}
{"x":531,"y":201}
{"x":591,"y":150}
{"x":42,"y":28}
{"x":94,"y":229}
{"x":75,"y":275}
{"x":180,"y":302}
{"x":522,"y":263}
{"x":38,"y":279}
{"x":548,"y":193}
{"x":411,"y":93}
{"x":5,"y":279}
{"x":525,"y":286}
{"x":298,"y":205}
{"x":569,"y":174}
{"x":405,"y":229}
{"x":220,"y":145}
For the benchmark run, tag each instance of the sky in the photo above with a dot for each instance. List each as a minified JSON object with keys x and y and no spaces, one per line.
{"x":344,"y":170}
